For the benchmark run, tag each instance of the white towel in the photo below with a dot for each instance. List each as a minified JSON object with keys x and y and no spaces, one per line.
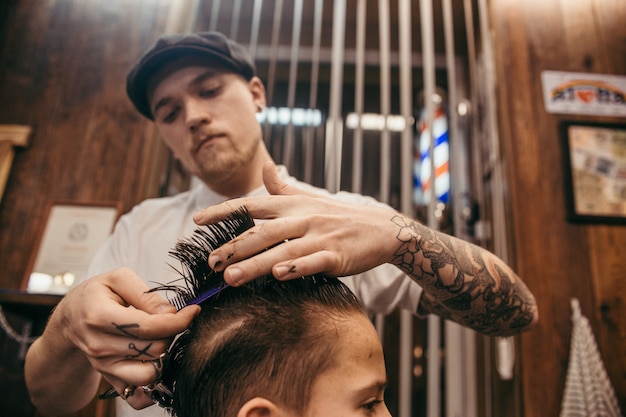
{"x":588,"y":390}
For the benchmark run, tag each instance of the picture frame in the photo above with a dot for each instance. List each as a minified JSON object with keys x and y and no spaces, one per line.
{"x":72,"y":233}
{"x":595,"y":167}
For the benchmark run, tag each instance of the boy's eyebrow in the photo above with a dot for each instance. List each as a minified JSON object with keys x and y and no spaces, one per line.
{"x":379,"y":386}
{"x":196,"y":81}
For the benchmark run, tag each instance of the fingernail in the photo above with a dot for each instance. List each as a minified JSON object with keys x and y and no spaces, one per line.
{"x":196,"y":310}
{"x":281,"y":271}
{"x":284,"y":270}
{"x":165,"y":308}
{"x":216,"y":262}
{"x":234,"y":274}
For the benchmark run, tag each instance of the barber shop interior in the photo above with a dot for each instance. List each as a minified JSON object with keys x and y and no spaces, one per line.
{"x":408,"y":208}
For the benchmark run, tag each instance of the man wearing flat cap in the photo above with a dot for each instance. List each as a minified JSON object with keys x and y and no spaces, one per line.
{"x":202,"y":93}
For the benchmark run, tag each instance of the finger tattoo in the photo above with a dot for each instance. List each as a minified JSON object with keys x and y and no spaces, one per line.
{"x":138,"y":351}
{"x":124,"y":328}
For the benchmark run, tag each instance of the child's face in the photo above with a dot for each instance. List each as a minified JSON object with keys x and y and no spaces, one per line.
{"x":356,"y":386}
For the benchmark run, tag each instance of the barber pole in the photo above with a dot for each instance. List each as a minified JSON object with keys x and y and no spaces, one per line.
{"x":441,"y":155}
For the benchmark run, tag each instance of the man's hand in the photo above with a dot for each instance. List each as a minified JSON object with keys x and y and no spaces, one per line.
{"x":111,"y":325}
{"x":461,"y":281}
{"x":316,"y":234}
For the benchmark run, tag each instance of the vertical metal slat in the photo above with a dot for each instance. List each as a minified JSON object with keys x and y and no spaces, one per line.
{"x":334,"y":131}
{"x":181,"y":17}
{"x":433,"y":385}
{"x":460,"y":380}
{"x":215,"y":11}
{"x":288,"y":148}
{"x":254,"y":31}
{"x":505,"y":348}
{"x":359,"y":85}
{"x":309,"y":131}
{"x":234,"y":21}
{"x":271,"y":76}
{"x":385,"y":98}
{"x":478,"y":188}
{"x":405,"y":397}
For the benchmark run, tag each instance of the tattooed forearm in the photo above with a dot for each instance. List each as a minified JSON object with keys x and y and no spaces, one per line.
{"x":463,"y":282}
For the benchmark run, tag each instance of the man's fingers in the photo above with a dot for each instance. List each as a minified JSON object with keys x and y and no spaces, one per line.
{"x":129,"y":372}
{"x":315,"y":263}
{"x":137,"y":323}
{"x":150,"y":317}
{"x":135,"y":396}
{"x":272,"y":181}
{"x":249,"y":268}
{"x":279,"y":204}
{"x":276,"y":186}
{"x":134,"y":291}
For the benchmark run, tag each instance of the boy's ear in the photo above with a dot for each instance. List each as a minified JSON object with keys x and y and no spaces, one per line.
{"x":260,"y":407}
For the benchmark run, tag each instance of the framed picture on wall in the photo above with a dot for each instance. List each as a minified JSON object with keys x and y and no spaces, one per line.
{"x":595,"y":171}
{"x":71,"y":235}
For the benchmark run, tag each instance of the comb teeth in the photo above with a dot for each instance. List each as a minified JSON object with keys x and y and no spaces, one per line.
{"x":199,"y":281}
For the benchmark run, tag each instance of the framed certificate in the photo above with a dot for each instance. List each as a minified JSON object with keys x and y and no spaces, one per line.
{"x":595,"y":171}
{"x":72,"y":234}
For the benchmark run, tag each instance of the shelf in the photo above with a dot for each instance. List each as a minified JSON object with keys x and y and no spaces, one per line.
{"x":27,"y":303}
{"x":24,"y":298}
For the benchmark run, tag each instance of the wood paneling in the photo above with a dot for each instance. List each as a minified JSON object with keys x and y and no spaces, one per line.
{"x":62,"y":71}
{"x":63,"y":65}
{"x":559,"y":260}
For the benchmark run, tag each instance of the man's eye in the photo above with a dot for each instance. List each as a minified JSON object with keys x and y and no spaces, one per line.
{"x":209,"y":92}
{"x":170,"y":116}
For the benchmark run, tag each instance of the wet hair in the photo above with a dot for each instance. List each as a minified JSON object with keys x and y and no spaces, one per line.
{"x":267,"y":338}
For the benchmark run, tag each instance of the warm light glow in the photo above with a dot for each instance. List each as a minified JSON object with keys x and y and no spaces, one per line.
{"x":373,"y":121}
{"x":286,"y":115}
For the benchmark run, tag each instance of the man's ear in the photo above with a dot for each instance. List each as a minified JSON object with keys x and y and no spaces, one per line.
{"x":258,"y":92}
{"x":260,"y":407}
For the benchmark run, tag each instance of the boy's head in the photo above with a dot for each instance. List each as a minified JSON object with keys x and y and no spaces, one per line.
{"x":303,"y":347}
{"x":299,"y":348}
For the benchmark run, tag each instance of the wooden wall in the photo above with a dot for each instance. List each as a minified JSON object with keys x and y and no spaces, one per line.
{"x":62,"y":71}
{"x":558,"y":259}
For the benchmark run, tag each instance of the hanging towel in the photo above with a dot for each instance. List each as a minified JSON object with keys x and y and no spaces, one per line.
{"x":588,"y":390}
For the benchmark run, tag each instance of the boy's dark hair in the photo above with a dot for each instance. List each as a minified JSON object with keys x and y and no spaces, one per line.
{"x":267,"y":338}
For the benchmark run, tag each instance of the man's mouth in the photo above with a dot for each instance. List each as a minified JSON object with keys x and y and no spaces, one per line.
{"x":205,"y":141}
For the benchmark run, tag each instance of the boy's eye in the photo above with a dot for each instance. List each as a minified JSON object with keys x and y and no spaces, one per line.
{"x":371,"y":406}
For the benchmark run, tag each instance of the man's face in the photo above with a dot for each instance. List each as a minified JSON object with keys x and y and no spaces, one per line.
{"x":355,"y":387}
{"x":206,"y":116}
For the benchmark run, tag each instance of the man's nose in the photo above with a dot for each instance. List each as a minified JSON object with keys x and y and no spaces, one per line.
{"x":197,"y":115}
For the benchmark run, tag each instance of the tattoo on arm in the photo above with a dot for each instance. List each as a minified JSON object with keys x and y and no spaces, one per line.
{"x":462,"y":281}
